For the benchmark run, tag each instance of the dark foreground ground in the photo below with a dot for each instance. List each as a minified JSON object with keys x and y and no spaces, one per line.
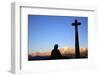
{"x":30,"y":58}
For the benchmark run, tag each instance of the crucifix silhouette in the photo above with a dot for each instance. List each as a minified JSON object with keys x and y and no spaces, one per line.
{"x":77,"y":49}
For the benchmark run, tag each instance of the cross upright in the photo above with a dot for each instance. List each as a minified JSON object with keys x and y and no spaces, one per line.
{"x":77,"y":48}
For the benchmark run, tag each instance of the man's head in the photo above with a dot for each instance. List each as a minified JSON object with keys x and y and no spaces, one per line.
{"x":56,"y":46}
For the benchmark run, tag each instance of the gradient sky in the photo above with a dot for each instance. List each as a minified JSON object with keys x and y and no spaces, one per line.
{"x":46,"y":31}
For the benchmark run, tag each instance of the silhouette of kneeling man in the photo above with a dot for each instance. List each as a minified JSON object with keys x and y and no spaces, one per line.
{"x":55,"y":52}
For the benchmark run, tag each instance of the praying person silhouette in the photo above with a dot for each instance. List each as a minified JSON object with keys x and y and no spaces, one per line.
{"x":55,"y":52}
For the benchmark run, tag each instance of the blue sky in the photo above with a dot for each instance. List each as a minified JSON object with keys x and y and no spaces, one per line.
{"x":46,"y":31}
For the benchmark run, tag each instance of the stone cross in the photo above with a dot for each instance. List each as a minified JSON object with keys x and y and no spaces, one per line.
{"x":77,"y":48}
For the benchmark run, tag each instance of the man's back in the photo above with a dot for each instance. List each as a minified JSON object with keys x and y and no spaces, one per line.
{"x":55,"y":52}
